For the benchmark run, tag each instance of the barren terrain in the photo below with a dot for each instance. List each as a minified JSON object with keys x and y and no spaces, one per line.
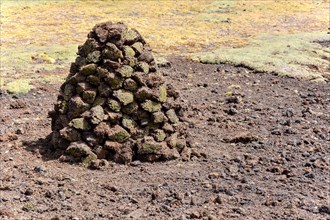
{"x":266,"y":140}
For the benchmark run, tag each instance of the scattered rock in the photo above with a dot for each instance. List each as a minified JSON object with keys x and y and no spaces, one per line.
{"x":242,"y":137}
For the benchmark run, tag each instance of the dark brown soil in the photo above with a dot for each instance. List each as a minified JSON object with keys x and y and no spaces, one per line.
{"x":266,"y":138}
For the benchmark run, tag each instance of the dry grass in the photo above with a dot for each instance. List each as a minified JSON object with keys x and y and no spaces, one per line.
{"x":29,"y":28}
{"x":296,"y":55}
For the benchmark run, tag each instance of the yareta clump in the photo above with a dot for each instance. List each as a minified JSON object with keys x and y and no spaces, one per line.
{"x":115,"y":105}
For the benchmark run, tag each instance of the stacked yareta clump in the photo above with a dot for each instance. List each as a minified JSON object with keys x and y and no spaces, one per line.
{"x":114,"y":105}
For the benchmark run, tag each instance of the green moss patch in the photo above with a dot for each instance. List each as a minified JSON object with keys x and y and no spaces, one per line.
{"x":19,"y":86}
{"x":296,"y":55}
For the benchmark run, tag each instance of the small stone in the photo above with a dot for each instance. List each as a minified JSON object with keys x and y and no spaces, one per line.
{"x":131,"y":108}
{"x":114,"y":105}
{"x":110,"y":64}
{"x":82,"y":86}
{"x":130,"y":124}
{"x":140,"y":78}
{"x":78,"y":150}
{"x":39,"y":169}
{"x":90,"y":138}
{"x":88,"y":47}
{"x":125,"y":97}
{"x":101,"y":72}
{"x":132,"y":36}
{"x":70,"y":134}
{"x":162,"y":97}
{"x":28,"y":207}
{"x":171,"y":91}
{"x":146,"y":56}
{"x":80,"y":61}
{"x":28,"y":192}
{"x":89,"y":96}
{"x":123,"y":152}
{"x":68,"y":91}
{"x":76,"y":78}
{"x":114,"y":117}
{"x":144,"y":93}
{"x":125,"y":71}
{"x":155,"y":80}
{"x":150,"y":146}
{"x":86,"y":160}
{"x":87,"y":70}
{"x":142,"y":66}
{"x":99,"y":101}
{"x":242,"y":136}
{"x":104,"y":90}
{"x":119,"y":134}
{"x":186,"y":154}
{"x":131,"y":61}
{"x":171,"y":115}
{"x":214,"y":175}
{"x":170,"y":154}
{"x":195,"y":214}
{"x":93,"y":57}
{"x":98,"y":164}
{"x":114,"y":81}
{"x":80,"y":123}
{"x":172,"y":140}
{"x":112,"y":52}
{"x":218,"y":200}
{"x":158,"y":117}
{"x":233,"y":99}
{"x":130,"y":85}
{"x":181,"y":144}
{"x":97,"y":114}
{"x":159,"y":135}
{"x":138,"y":47}
{"x":168,"y":128}
{"x":128,"y":51}
{"x":94,"y":80}
{"x":151,"y":106}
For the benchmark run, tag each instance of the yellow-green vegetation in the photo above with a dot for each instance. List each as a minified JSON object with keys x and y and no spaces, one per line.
{"x":31,"y":59}
{"x":169,"y":26}
{"x":29,"y":206}
{"x":230,"y":93}
{"x":19,"y":86}
{"x":297,"y":55}
{"x":43,"y":35}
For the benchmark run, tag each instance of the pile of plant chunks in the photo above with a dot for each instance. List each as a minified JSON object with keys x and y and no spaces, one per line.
{"x":114,"y":104}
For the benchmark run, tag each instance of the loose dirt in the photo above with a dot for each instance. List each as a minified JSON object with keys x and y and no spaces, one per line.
{"x":266,"y":140}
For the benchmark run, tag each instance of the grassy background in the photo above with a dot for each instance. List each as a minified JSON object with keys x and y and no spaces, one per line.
{"x":237,"y":31}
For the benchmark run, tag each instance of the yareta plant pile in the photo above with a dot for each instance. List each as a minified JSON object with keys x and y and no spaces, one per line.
{"x":115,"y":105}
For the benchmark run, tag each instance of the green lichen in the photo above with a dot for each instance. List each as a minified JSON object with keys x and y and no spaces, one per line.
{"x":150,"y":147}
{"x":151,"y":106}
{"x":19,"y":86}
{"x":114,"y":105}
{"x":162,"y":94}
{"x":80,"y":123}
{"x":125,"y":97}
{"x":118,"y":134}
{"x":29,"y":206}
{"x":86,"y":160}
{"x":125,"y":71}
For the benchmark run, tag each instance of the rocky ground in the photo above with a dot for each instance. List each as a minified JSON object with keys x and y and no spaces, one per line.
{"x":266,"y":140}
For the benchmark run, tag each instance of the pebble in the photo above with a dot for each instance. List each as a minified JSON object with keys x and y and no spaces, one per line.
{"x":39,"y":169}
{"x":214,"y":175}
{"x":28,"y":192}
